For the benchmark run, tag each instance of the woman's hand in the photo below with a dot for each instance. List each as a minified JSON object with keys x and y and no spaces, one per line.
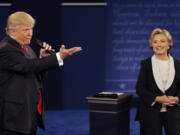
{"x":167,"y":100}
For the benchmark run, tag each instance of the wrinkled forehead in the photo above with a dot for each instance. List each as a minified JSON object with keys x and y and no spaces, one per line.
{"x":23,"y":27}
{"x":160,"y":36}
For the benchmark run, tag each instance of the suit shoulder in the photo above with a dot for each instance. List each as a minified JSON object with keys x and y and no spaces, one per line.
{"x":145,"y":61}
{"x":176,"y":60}
{"x":6,"y":45}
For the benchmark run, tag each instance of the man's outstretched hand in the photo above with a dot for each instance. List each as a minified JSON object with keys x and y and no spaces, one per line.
{"x":64,"y":53}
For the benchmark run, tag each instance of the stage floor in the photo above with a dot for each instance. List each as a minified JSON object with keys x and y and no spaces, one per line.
{"x":75,"y":122}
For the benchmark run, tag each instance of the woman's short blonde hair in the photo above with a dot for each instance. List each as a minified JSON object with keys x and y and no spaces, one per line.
{"x":19,"y":18}
{"x":161,"y":31}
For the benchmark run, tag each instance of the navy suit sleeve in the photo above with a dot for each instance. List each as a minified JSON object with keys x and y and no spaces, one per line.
{"x":177,"y":67}
{"x":143,"y":85}
{"x":15,"y":61}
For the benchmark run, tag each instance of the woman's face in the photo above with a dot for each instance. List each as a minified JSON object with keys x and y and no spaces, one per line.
{"x":160,"y":44}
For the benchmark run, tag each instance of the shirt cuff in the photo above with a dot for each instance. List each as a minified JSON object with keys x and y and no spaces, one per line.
{"x":153,"y":103}
{"x":59,"y":59}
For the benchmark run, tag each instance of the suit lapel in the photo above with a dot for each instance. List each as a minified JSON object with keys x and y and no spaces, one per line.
{"x":16,"y":45}
{"x":176,"y":69}
{"x":31,"y":54}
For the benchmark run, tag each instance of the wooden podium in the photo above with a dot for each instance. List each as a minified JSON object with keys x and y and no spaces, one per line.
{"x":109,"y":115}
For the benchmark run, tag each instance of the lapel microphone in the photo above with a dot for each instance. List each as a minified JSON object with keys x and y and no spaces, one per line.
{"x":40,"y":44}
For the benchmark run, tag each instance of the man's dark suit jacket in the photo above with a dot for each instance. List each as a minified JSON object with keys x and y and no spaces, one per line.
{"x":19,"y":85}
{"x":147,"y":89}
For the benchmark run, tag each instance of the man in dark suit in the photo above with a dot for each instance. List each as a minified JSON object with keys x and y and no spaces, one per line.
{"x":21,"y":75}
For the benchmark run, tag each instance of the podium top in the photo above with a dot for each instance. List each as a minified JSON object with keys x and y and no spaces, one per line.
{"x":109,"y":98}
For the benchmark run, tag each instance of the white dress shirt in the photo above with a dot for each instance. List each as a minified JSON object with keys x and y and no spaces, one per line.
{"x":164,"y":73}
{"x":59,"y":59}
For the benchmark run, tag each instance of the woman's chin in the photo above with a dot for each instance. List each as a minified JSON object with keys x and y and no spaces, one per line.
{"x":160,"y":53}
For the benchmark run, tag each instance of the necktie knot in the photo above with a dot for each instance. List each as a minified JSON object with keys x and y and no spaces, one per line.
{"x":25,"y":49}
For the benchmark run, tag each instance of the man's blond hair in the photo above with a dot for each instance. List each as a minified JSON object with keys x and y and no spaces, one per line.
{"x":19,"y":18}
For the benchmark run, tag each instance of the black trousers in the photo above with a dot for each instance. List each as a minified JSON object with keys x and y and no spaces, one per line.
{"x":33,"y":129}
{"x":155,"y":122}
{"x":8,"y":132}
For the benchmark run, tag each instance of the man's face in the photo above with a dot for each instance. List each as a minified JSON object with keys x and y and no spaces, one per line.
{"x":23,"y":34}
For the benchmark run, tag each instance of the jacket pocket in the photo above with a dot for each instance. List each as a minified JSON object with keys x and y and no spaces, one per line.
{"x":13,"y":106}
{"x":14,"y":99}
{"x":1,"y":107}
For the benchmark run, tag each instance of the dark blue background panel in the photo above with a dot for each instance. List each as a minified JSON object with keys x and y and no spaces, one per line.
{"x":129,"y":26}
{"x":84,"y":72}
{"x":114,"y":40}
{"x":5,"y":11}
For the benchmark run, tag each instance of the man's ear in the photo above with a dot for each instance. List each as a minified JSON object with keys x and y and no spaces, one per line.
{"x":11,"y":32}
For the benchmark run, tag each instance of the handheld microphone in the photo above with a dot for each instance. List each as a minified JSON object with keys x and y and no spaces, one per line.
{"x":40,"y":43}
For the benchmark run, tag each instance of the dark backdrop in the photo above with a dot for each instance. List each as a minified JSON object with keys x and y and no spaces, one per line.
{"x":130,"y":23}
{"x":82,"y":74}
{"x":114,"y":39}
